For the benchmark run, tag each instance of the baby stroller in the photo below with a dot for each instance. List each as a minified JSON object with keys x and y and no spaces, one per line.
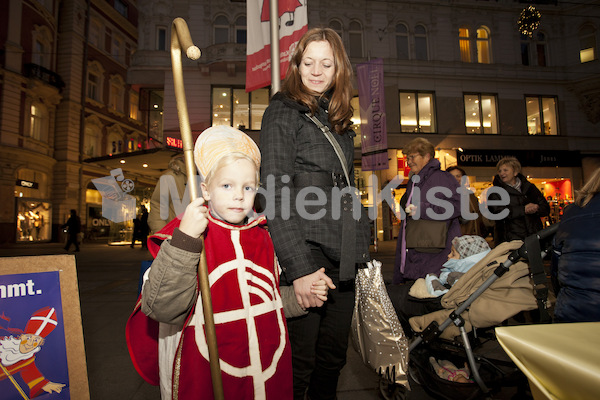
{"x":509,"y":280}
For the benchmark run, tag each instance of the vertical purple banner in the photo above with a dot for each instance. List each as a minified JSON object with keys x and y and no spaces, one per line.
{"x":373,"y":127}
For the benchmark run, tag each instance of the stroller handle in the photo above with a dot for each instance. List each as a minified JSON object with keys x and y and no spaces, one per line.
{"x":547,"y":232}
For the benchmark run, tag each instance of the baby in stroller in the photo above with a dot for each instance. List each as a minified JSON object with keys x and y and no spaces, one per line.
{"x":423,"y":296}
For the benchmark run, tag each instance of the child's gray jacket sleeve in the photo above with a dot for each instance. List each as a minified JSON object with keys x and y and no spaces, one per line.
{"x":169,"y":291}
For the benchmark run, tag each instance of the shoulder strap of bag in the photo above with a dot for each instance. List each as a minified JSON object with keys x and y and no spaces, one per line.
{"x":334,"y":143}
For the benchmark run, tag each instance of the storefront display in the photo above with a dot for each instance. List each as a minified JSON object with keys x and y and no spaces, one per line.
{"x":34,"y":220}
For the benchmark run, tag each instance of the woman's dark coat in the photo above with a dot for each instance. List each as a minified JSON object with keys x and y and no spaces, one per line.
{"x":577,"y":245}
{"x":518,"y":225}
{"x":293,"y":146}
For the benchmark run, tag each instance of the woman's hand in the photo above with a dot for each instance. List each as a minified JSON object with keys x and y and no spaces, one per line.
{"x":410,"y":210}
{"x":531,"y":208}
{"x":303,"y":288}
{"x":195,"y":218}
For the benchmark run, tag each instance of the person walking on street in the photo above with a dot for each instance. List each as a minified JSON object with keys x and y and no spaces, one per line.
{"x":73,"y":226}
{"x":298,"y":155}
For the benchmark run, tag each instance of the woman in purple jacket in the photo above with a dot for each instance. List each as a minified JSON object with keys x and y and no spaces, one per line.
{"x":424,"y":200}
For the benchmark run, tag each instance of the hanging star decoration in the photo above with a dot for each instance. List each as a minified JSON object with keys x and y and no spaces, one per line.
{"x":529,"y":20}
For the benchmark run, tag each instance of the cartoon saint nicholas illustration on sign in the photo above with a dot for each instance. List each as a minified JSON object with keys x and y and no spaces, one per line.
{"x":18,"y":353}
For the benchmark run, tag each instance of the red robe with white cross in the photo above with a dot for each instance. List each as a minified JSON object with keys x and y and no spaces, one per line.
{"x":254,"y":351}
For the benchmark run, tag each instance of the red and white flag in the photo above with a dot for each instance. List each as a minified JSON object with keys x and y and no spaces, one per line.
{"x":293,"y":23}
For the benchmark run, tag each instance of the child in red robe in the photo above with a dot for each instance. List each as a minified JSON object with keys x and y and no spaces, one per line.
{"x":254,"y":352}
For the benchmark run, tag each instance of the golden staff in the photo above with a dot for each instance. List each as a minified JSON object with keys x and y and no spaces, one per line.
{"x":14,"y":382}
{"x":181,"y":39}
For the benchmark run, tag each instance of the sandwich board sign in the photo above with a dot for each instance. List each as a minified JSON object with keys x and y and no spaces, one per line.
{"x":42,"y":352}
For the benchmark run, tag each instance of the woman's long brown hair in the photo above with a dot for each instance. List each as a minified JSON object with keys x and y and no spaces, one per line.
{"x":339,"y":93}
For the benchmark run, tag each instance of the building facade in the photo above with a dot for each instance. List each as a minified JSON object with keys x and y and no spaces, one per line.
{"x":458,"y":73}
{"x":64,"y":98}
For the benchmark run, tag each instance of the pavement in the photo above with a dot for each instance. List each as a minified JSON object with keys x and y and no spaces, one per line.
{"x":108,"y":278}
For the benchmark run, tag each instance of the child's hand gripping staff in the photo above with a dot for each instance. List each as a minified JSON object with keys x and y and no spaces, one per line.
{"x":181,"y":40}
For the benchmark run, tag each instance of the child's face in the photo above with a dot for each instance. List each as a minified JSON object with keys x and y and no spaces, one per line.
{"x":231,"y":191}
{"x":454,"y":254}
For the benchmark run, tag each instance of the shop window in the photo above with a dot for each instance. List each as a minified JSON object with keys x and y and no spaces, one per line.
{"x":161,"y":38}
{"x":465,"y":44}
{"x":542,"y":115}
{"x":481,"y":115}
{"x":421,"y":52}
{"x":38,"y":127}
{"x":417,"y":110}
{"x":355,"y":35}
{"x":402,"y":42}
{"x":234,"y":107}
{"x":34,"y":220}
{"x":483,"y":45}
{"x":221,"y":29}
{"x":240,"y":30}
{"x":587,"y":43}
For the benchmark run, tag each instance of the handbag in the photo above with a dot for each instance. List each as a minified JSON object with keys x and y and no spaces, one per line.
{"x":426,"y":236}
{"x":377,"y":335}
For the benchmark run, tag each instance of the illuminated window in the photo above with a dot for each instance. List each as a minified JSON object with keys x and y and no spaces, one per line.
{"x":38,"y":127}
{"x":465,"y":44}
{"x":421,"y":52}
{"x":234,"y":107}
{"x":221,"y":29}
{"x":417,"y":112}
{"x":483,"y":45}
{"x":587,"y":43}
{"x":402,"y":42}
{"x":541,"y":115}
{"x":134,"y":112}
{"x":355,"y":34}
{"x":240,"y":30}
{"x":481,"y":115}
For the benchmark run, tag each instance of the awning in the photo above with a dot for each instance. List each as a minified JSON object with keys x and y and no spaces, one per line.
{"x":156,"y":161}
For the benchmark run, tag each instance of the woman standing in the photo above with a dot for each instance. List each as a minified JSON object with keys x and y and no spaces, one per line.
{"x":577,"y":246}
{"x":296,"y":155}
{"x":424,"y":201}
{"x":526,"y":207}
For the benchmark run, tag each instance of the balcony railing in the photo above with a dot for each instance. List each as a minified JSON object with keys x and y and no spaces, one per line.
{"x":44,"y":74}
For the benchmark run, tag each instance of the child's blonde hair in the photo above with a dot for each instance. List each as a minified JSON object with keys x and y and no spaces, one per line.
{"x":228,"y":159}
